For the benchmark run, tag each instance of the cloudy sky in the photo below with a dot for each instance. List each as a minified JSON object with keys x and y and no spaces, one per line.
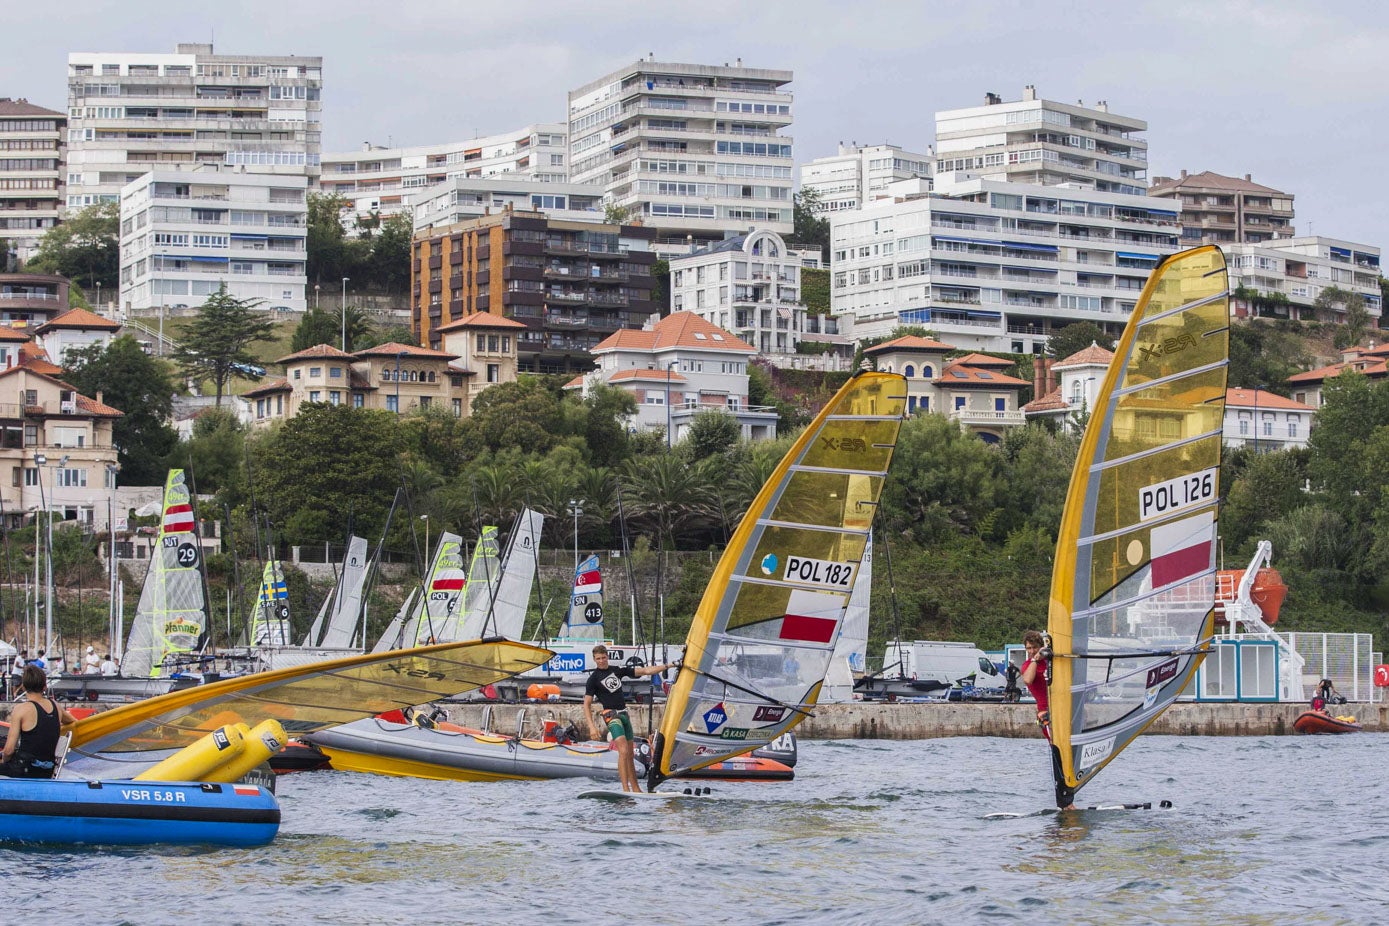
{"x":1290,"y":92}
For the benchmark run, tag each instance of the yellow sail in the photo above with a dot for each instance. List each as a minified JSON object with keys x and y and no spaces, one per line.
{"x":761,"y":640}
{"x":1131,"y":611}
{"x":308,"y":697}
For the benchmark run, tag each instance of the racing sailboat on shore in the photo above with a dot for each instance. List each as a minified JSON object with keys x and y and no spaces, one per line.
{"x":1131,"y":611}
{"x":761,"y":640}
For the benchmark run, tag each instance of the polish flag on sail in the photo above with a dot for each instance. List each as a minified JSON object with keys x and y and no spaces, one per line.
{"x":588,"y":580}
{"x":178,"y":518}
{"x":1182,"y":549}
{"x":812,"y":617}
{"x":447,"y":583}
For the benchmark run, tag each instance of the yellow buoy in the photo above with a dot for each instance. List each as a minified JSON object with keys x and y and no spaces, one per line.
{"x":191,"y":763}
{"x":263,"y":741}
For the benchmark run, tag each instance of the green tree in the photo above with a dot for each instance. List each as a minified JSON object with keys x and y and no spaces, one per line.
{"x":810,"y":228}
{"x":1034,"y":477}
{"x":140,"y":386}
{"x":390,"y":253}
{"x":85,"y":248}
{"x":1075,"y":337}
{"x":943,"y":481}
{"x":325,"y":463}
{"x":613,"y":214}
{"x":660,"y":292}
{"x":214,"y":346}
{"x":328,"y":257}
{"x":1353,"y":409}
{"x":605,"y":431}
{"x":526,"y":413}
{"x":375,"y":336}
{"x":214,"y":454}
{"x":815,"y":290}
{"x":316,"y":327}
{"x":1265,"y":354}
{"x":359,"y":330}
{"x":1268,"y":487}
{"x":712,"y":433}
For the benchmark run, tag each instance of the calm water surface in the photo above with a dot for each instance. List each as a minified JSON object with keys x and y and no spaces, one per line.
{"x":1265,"y":831}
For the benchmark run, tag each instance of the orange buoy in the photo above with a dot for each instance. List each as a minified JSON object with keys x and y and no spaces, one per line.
{"x":542,"y":691}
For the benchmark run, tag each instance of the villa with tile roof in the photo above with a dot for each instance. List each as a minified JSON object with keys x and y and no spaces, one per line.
{"x":972,"y":390}
{"x":676,"y":368}
{"x":1371,"y":361}
{"x":1067,"y":387}
{"x":486,"y":347}
{"x":74,"y":329}
{"x":1265,"y":421}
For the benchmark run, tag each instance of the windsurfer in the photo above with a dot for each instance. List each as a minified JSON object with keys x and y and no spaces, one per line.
{"x":36,"y":721}
{"x":1034,"y":675}
{"x":605,"y":684}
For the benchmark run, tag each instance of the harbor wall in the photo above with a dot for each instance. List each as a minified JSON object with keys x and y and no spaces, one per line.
{"x":907,"y":721}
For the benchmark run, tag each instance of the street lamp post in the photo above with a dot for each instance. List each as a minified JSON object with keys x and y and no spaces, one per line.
{"x":398,"y":355}
{"x":1256,"y":420}
{"x":112,"y":471}
{"x":317,"y":293}
{"x":425,"y":519}
{"x":98,"y":295}
{"x":669,"y":365}
{"x":40,"y":460}
{"x":344,"y":314}
{"x":575,"y":509}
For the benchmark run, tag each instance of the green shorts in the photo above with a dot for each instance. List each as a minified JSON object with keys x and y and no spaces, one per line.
{"x":619,"y":724}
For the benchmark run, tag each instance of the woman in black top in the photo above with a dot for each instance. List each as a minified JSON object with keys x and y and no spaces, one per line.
{"x":35,"y":726}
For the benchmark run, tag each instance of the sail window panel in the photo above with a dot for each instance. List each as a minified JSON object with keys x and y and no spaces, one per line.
{"x":1173,"y":618}
{"x":1175,"y":410}
{"x":814,"y":550}
{"x":887,"y":397}
{"x":849,"y":444}
{"x":1143,"y":489}
{"x":1191,"y":279}
{"x":829,"y":500}
{"x":785,"y":613}
{"x":338,"y":695}
{"x":1185,"y":341}
{"x":1138,"y":688}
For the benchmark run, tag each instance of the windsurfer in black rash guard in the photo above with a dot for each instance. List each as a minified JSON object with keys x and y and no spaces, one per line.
{"x":605,"y":684}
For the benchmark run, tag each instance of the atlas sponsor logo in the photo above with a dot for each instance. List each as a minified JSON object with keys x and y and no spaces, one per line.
{"x":1167,"y":347}
{"x":844,"y":444}
{"x":1093,"y":753}
{"x":768,"y":714}
{"x":716,"y":717}
{"x":1159,"y":674}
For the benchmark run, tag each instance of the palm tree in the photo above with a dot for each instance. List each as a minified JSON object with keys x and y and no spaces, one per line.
{"x":358,"y":326}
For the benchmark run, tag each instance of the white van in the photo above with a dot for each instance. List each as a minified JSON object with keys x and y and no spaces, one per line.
{"x":954,"y":665}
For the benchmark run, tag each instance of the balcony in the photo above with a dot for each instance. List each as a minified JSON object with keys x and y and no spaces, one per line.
{"x":987,"y":417}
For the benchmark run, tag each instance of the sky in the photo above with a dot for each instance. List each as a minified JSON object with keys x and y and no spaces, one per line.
{"x":1289,"y":92}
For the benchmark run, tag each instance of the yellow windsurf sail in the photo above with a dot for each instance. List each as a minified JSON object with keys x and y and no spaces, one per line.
{"x":760,"y":643}
{"x":308,"y":697}
{"x":1131,"y":612}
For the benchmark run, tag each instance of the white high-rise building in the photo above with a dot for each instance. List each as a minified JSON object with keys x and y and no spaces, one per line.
{"x":859,"y":173}
{"x":461,"y":198}
{"x":132,"y":113}
{"x":1282,"y":278}
{"x":996,"y":265}
{"x":692,"y":150}
{"x":1044,"y":142}
{"x":185,"y":233}
{"x":31,"y":175}
{"x":384,"y":181}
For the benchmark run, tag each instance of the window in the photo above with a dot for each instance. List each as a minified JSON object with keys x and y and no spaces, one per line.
{"x":358,"y":400}
{"x":71,"y":478}
{"x":458,"y":408}
{"x":424,"y":401}
{"x":297,"y":372}
{"x":481,"y":343}
{"x":1244,"y":427}
{"x":315,"y":395}
{"x":1000,"y":404}
{"x":260,"y":408}
{"x":335,"y":397}
{"x":494,"y":372}
{"x":959,"y":402}
{"x":1292,"y":426}
{"x":315,"y":372}
{"x":392,"y":403}
{"x":493,"y":343}
{"x":909,"y":371}
{"x":335,"y":373}
{"x":31,"y":476}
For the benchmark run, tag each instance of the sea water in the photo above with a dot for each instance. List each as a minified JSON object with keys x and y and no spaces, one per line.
{"x":1264,"y":830}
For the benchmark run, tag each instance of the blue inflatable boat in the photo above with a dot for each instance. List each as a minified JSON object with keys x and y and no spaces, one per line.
{"x":129,"y":813}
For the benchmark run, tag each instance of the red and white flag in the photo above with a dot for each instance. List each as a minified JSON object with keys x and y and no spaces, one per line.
{"x":812,"y":617}
{"x":1382,"y":676}
{"x":246,"y":790}
{"x":1182,"y":548}
{"x":178,"y":518}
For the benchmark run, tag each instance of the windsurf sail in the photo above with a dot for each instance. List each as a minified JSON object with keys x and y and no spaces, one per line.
{"x":484,"y":573}
{"x":308,"y":697}
{"x":395,"y":630}
{"x":760,"y":642}
{"x":172,"y":614}
{"x":345,"y":615}
{"x":585,"y":618}
{"x":437,"y":612}
{"x":519,"y":569}
{"x":851,"y":649}
{"x":270,"y":626}
{"x":1132,"y":603}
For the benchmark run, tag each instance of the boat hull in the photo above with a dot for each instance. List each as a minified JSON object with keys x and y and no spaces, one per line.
{"x":130,"y":813}
{"x":116,"y":687}
{"x":1317,"y":722}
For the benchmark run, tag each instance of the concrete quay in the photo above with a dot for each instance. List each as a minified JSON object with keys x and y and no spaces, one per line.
{"x":907,"y":721}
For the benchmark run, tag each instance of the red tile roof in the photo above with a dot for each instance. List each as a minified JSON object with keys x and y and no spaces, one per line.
{"x":408,"y":350}
{"x":1249,"y":398}
{"x":1092,"y":354}
{"x":270,"y":388}
{"x":80,"y":319}
{"x":1321,"y":374}
{"x":481,"y":320}
{"x":9,"y":107}
{"x":97,"y":409}
{"x":1209,"y":180}
{"x":960,"y":374}
{"x":660,"y":376}
{"x":317,"y":352}
{"x":908,"y":342}
{"x":679,"y":329}
{"x":1050,"y":402}
{"x":982,"y":360}
{"x":17,"y":335}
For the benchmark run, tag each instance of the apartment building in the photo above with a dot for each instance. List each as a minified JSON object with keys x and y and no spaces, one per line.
{"x":973,"y":390}
{"x":132,"y":113}
{"x":185,"y":233}
{"x":1043,"y":142}
{"x":32,"y":150}
{"x":28,"y":299}
{"x":380,"y":181}
{"x":750,"y":285}
{"x":459,"y":199}
{"x":1227,"y":210}
{"x":692,"y":150}
{"x":676,"y":368}
{"x":571,"y":284}
{"x":56,"y":445}
{"x":993,"y":265}
{"x":859,"y":173}
{"x":1282,"y":278}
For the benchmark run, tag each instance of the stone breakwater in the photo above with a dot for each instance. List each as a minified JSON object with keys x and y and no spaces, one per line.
{"x":880,"y":720}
